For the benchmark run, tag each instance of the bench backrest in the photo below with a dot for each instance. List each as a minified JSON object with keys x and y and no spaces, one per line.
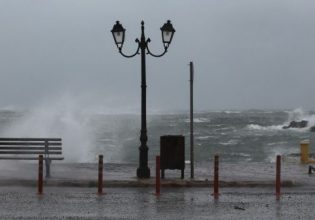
{"x":10,"y":148}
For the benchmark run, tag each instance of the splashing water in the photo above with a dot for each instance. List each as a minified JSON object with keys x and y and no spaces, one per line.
{"x":57,"y":119}
{"x":299,"y":114}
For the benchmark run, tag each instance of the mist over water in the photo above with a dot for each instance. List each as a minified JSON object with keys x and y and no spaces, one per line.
{"x":238,"y":136}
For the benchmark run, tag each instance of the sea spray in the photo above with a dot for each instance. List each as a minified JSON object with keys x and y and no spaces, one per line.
{"x":295,"y":115}
{"x":299,"y":114}
{"x":116,"y":136}
{"x":61,"y":118}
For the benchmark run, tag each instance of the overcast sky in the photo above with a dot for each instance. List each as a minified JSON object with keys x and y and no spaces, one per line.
{"x":247,"y":54}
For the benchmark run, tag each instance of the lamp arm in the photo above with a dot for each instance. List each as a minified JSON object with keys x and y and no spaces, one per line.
{"x":154,"y":55}
{"x":130,"y":56}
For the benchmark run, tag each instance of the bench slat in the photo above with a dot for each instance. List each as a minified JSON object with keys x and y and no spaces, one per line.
{"x":29,"y":148}
{"x":30,"y":139}
{"x":31,"y":143}
{"x":30,"y":152}
{"x":29,"y":158}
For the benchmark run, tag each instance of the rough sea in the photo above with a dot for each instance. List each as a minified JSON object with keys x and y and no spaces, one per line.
{"x":237,"y":136}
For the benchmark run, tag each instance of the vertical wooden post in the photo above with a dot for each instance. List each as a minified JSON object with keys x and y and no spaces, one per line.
{"x":100,"y":175}
{"x":216,"y":177}
{"x":157,"y":177}
{"x":40,"y":175}
{"x":191,"y":120}
{"x":278,"y":176}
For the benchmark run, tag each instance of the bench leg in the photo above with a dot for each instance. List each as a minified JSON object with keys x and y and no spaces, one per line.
{"x":182,"y":171}
{"x":47,"y":163}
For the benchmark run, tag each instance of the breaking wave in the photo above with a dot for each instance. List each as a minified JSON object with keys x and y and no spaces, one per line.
{"x":296,"y":115}
{"x":198,"y":120}
{"x":264,"y":128}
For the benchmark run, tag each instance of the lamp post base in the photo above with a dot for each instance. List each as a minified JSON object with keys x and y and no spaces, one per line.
{"x":143,"y":172}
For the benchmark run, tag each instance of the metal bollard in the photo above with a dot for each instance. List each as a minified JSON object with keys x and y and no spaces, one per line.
{"x":157,"y":177}
{"x":40,"y":175}
{"x":278,"y":177}
{"x":100,"y":175}
{"x":216,"y":177}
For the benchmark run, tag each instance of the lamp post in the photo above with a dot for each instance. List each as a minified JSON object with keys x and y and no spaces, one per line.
{"x":119,"y":37}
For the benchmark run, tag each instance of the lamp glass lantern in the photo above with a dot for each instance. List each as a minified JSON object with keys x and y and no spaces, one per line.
{"x":119,"y":34}
{"x":167,"y":33}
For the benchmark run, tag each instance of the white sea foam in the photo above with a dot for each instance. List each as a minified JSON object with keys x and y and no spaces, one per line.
{"x":230,"y":142}
{"x":232,"y":112}
{"x":203,"y":137}
{"x":198,"y":120}
{"x":264,"y":128}
{"x":240,"y":154}
{"x":277,"y":143}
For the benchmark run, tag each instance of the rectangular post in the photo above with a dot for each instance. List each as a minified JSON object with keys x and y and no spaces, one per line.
{"x":278,"y":176}
{"x":191,"y":120}
{"x":100,"y":174}
{"x":40,"y":175}
{"x":157,"y":177}
{"x":216,"y":177}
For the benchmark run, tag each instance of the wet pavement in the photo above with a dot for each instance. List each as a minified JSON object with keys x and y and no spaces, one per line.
{"x":247,"y":192}
{"x":141,"y":203}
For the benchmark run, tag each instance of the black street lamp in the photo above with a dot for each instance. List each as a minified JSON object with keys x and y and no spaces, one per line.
{"x":119,"y":36}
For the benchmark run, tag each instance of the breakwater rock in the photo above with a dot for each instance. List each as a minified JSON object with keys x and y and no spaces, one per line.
{"x":299,"y":124}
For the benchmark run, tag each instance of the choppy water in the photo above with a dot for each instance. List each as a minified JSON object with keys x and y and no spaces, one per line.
{"x":253,"y":136}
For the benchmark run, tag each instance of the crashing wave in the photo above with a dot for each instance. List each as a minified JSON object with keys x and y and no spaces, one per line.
{"x":264,"y":128}
{"x":298,"y":119}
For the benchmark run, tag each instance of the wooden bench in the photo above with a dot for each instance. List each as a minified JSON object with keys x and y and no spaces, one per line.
{"x":30,"y":149}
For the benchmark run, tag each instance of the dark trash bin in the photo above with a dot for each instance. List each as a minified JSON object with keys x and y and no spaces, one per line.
{"x":172,"y":153}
